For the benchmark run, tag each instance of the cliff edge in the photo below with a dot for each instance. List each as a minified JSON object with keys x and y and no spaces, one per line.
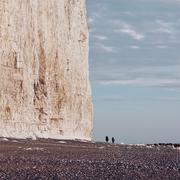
{"x":44,"y":79}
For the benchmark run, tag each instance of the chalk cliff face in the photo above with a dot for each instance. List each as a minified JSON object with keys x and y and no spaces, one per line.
{"x":44,"y":85}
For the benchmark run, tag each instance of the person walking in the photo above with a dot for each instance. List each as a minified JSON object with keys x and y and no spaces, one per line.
{"x":113,"y":140}
{"x":107,"y":139}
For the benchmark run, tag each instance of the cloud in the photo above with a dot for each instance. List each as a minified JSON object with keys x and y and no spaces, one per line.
{"x":91,"y":20}
{"x":122,"y":82}
{"x":161,"y":46}
{"x":163,"y":83}
{"x":161,"y":77}
{"x":100,"y":37}
{"x":132,"y":33}
{"x":108,"y":49}
{"x":125,"y":28}
{"x":164,"y":30}
{"x":134,"y":47}
{"x":149,"y":57}
{"x":164,"y":27}
{"x":111,"y":99}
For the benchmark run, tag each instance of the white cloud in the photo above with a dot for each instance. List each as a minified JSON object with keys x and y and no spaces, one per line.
{"x":105,"y":48}
{"x":90,"y":20}
{"x":148,"y":57}
{"x":134,"y":47}
{"x":164,"y":27}
{"x":164,"y":30}
{"x":122,"y":82}
{"x":151,"y":82}
{"x":125,"y":28}
{"x":135,"y":35}
{"x":161,"y":46}
{"x":100,"y":37}
{"x":96,"y":15}
{"x":113,"y":99}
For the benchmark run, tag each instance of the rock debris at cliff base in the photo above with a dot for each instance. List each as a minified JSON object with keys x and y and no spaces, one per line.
{"x":50,"y":159}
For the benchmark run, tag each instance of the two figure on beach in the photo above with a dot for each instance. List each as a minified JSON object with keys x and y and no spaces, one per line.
{"x":107,"y":139}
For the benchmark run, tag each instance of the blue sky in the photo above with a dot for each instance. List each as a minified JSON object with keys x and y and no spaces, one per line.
{"x":135,"y":69}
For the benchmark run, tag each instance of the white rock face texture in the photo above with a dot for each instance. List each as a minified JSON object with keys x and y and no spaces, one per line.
{"x":44,"y":79}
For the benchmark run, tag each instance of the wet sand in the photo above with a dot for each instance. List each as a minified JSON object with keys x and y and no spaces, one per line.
{"x":53,"y":159}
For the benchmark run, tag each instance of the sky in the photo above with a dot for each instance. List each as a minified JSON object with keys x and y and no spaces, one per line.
{"x":135,"y":69}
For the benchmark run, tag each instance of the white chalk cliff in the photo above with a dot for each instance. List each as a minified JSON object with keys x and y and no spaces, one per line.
{"x":44,"y":79}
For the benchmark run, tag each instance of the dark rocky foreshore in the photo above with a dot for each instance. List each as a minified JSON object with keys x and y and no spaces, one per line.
{"x":50,"y":159}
